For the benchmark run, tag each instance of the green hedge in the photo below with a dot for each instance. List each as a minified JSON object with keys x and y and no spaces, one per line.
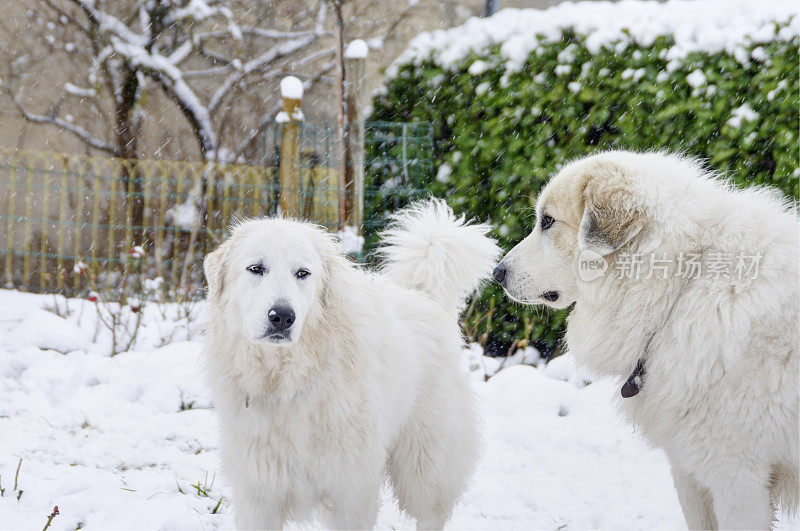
{"x":504,"y":137}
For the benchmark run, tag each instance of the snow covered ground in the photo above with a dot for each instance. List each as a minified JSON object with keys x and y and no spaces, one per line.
{"x":129,"y":442}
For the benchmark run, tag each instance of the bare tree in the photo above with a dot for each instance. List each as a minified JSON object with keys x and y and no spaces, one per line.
{"x":104,"y":59}
{"x":195,"y":51}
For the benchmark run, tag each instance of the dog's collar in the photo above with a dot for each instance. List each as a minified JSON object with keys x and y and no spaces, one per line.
{"x":633,"y":384}
{"x":635,"y":381}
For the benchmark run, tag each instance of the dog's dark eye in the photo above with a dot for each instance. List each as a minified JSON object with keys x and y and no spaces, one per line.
{"x":257,"y":269}
{"x":302,"y":273}
{"x":547,"y":222}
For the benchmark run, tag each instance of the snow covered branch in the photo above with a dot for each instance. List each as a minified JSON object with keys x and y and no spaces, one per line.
{"x":262,"y":32}
{"x":108,"y":23}
{"x":195,"y":52}
{"x":65,"y":125}
{"x":262,"y":61}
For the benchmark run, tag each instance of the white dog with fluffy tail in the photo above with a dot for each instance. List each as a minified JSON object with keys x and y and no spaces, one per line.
{"x":326,"y":378}
{"x":686,"y":290}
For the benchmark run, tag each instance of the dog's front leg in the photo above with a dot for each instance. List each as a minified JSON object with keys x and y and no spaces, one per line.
{"x":741,"y":500}
{"x":255,"y":510}
{"x":696,"y":502}
{"x":355,"y":508}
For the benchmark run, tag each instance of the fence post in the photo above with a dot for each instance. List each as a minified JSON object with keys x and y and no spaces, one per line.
{"x":290,"y":118}
{"x":353,"y":179}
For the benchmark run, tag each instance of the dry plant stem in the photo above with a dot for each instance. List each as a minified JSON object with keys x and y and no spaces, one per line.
{"x":488,"y":318}
{"x":512,"y":349}
{"x":50,"y":518}
{"x":473,"y":331}
{"x":467,"y":315}
{"x":16,"y":476}
{"x":110,"y":325}
{"x":216,"y":507}
{"x":137,"y":325}
{"x":187,"y":261}
{"x":57,"y":309}
{"x":116,"y":321}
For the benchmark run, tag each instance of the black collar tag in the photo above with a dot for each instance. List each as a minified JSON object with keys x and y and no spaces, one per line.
{"x":633,"y":384}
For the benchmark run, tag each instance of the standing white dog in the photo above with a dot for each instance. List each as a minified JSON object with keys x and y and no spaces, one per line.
{"x":685,"y":289}
{"x":326,"y":377}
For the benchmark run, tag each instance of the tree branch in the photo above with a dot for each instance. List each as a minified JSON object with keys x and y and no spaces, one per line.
{"x":170,"y":77}
{"x":263,"y":60}
{"x":109,"y":23}
{"x":262,"y":32}
{"x":68,"y":17}
{"x":64,"y":125}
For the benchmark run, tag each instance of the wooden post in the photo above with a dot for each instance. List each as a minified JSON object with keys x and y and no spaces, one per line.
{"x":340,"y":111}
{"x":290,"y":118}
{"x":355,"y":56}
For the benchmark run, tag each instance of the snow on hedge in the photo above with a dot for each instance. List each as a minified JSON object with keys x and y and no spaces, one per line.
{"x":696,"y":25}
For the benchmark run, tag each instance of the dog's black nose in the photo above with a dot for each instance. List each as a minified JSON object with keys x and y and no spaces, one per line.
{"x":499,"y":273}
{"x":281,"y":317}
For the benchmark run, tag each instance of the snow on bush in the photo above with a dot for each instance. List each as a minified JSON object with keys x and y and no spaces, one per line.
{"x":514,"y":96}
{"x":696,"y":26}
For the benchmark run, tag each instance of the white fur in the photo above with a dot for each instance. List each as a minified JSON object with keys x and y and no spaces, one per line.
{"x":720,"y":392}
{"x":371,"y":385}
{"x":456,"y":255}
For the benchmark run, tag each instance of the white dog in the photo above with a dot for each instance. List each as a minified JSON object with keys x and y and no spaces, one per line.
{"x":686,"y":289}
{"x":327,"y":377}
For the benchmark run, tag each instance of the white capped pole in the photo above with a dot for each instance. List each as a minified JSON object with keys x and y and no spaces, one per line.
{"x":290,"y":118}
{"x":355,"y":58}
{"x":341,"y":113}
{"x":357,"y":49}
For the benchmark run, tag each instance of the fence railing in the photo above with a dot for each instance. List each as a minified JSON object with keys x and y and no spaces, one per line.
{"x":72,"y":223}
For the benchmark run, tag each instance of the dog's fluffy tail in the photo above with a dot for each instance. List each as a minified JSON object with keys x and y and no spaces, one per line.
{"x":426,"y":247}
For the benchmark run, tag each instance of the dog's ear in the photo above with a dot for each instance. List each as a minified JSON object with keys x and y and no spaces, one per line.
{"x":612,"y":214}
{"x":214,"y":269}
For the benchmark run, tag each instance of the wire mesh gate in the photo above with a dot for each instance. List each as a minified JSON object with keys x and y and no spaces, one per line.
{"x":317,"y":193}
{"x":73,"y":224}
{"x":398,"y":167}
{"x":398,"y":164}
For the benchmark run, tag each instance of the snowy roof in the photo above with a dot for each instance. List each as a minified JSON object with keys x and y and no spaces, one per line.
{"x":696,"y":25}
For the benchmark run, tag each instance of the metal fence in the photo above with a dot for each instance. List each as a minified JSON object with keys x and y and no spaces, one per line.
{"x":398,"y":167}
{"x":317,"y":162}
{"x":73,"y":224}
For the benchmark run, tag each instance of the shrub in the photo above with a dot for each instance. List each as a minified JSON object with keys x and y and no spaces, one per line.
{"x":500,"y":133}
